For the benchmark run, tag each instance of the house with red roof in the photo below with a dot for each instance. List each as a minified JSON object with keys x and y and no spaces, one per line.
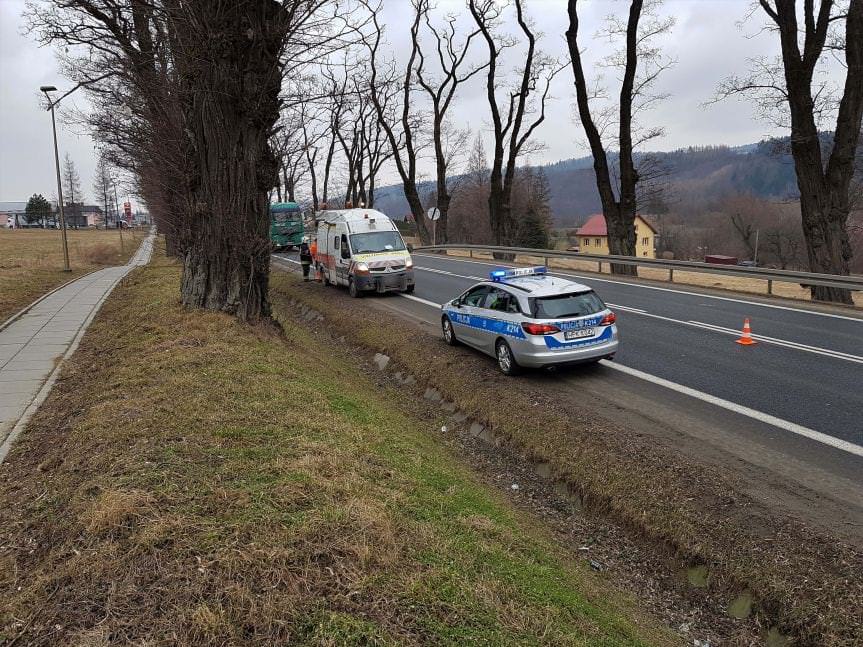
{"x":593,"y":237}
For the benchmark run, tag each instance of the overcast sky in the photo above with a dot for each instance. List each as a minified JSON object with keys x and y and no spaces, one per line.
{"x":708,"y":42}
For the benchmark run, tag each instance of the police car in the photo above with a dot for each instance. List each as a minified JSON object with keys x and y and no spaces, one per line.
{"x":527,"y":319}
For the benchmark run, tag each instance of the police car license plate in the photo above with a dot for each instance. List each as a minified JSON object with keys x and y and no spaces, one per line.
{"x":578,"y":334}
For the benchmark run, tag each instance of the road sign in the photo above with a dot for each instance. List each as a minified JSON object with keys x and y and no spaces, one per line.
{"x":433,"y":214}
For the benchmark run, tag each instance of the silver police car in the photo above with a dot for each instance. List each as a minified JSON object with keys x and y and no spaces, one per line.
{"x":527,"y":319}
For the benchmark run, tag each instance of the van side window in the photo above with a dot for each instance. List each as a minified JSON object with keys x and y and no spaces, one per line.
{"x":335,"y":242}
{"x":346,"y":251}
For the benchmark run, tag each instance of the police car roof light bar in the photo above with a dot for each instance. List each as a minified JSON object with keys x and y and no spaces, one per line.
{"x":499,"y":275}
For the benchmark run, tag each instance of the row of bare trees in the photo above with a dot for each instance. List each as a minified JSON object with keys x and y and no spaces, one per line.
{"x":186,"y":98}
{"x":786,"y":88}
{"x":214,"y":105}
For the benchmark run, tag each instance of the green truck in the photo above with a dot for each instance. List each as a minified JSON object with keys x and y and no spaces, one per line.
{"x":286,"y":225}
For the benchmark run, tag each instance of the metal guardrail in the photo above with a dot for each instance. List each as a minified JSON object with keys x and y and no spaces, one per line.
{"x":784,"y":276}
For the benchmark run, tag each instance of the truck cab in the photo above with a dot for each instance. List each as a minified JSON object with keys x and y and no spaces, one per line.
{"x":362,"y":250}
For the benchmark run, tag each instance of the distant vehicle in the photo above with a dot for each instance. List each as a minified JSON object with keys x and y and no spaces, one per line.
{"x":525,"y":318}
{"x":362,"y":250}
{"x":747,"y":264}
{"x":719,"y":259}
{"x":286,"y":225}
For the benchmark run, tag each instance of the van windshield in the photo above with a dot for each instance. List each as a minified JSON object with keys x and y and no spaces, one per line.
{"x":377,"y":241}
{"x":561,"y":306}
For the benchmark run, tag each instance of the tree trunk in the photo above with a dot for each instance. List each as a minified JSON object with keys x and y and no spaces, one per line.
{"x":619,"y":214}
{"x":229,"y":75}
{"x":824,"y":192}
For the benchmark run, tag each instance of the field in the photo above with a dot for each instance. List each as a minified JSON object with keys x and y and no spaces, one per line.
{"x":31,"y":260}
{"x":192,"y":480}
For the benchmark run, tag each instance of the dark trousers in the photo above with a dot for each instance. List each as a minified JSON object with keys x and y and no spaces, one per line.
{"x":306,"y":265}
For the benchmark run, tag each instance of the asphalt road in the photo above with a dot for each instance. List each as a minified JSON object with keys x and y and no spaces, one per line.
{"x":791,"y":406}
{"x":809,"y":371}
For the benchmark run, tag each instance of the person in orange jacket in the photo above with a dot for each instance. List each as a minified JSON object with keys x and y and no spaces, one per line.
{"x":314,"y":250}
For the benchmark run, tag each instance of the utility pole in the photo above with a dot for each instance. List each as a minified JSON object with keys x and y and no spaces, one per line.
{"x":117,"y":215}
{"x":46,"y":89}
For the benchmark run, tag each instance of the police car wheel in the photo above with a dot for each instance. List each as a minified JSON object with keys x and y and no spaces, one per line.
{"x":448,"y":332}
{"x":505,"y":360}
{"x":353,"y":290}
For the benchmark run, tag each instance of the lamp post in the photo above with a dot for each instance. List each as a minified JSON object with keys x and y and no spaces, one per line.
{"x":46,"y":89}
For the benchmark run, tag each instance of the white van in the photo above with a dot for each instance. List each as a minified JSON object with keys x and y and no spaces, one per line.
{"x":362,"y":250}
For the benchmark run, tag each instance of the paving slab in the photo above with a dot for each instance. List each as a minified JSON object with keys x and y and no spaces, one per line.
{"x":32,"y":346}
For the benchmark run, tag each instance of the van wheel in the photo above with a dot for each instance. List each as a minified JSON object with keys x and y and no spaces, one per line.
{"x":505,"y":360}
{"x":355,"y":292}
{"x":448,"y":332}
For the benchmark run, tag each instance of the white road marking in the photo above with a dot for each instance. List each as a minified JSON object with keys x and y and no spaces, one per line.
{"x":637,"y":311}
{"x":460,"y":276}
{"x":655,"y":287}
{"x":785,"y":425}
{"x":782,"y":342}
{"x":704,"y":326}
{"x":835,"y":354}
{"x":423,"y":301}
{"x":766,"y":418}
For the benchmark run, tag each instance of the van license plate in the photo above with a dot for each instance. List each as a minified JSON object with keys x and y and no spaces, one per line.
{"x":578,"y":334}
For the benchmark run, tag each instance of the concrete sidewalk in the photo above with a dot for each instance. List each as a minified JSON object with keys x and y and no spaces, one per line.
{"x":34,"y":345}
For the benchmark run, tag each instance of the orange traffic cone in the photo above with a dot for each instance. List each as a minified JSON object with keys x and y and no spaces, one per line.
{"x":746,"y":337}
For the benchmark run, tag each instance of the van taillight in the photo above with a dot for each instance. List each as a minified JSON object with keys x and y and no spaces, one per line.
{"x":608,"y":319}
{"x":539,"y":329}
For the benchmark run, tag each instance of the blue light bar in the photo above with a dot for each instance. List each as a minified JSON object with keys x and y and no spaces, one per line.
{"x":499,"y":275}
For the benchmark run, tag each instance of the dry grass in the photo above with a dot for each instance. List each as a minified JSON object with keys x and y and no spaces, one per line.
{"x":195,"y":481}
{"x":31,"y":260}
{"x":701,"y":279}
{"x":808,"y":584}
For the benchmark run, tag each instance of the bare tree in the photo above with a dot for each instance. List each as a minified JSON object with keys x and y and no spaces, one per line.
{"x":72,"y":189}
{"x":441,"y":91}
{"x":402,"y":126}
{"x":823,"y":177}
{"x":102,"y":184}
{"x":469,"y":221}
{"x":195,"y":88}
{"x":523,"y":109}
{"x":619,"y":199}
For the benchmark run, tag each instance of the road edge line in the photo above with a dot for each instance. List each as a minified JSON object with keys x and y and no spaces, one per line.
{"x":766,"y":418}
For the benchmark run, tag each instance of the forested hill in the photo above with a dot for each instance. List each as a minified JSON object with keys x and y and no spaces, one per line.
{"x":697,"y":178}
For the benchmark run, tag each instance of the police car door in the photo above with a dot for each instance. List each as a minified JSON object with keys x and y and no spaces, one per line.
{"x":502,"y":316}
{"x":466,"y":317}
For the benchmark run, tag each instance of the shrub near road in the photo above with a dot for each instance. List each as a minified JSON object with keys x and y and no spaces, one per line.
{"x":31,"y":260}
{"x":194,"y":480}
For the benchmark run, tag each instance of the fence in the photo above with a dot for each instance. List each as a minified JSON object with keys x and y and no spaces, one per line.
{"x":804,"y":279}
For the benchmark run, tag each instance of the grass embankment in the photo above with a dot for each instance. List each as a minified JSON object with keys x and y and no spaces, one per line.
{"x":194,"y":480}
{"x":31,"y":260}
{"x":805,"y":584}
{"x":700,"y":279}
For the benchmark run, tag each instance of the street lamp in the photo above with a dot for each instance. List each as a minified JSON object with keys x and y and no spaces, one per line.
{"x":46,"y":89}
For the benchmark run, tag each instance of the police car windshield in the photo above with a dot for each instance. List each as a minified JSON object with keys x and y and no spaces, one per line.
{"x":559,"y":306}
{"x":376,"y":241}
